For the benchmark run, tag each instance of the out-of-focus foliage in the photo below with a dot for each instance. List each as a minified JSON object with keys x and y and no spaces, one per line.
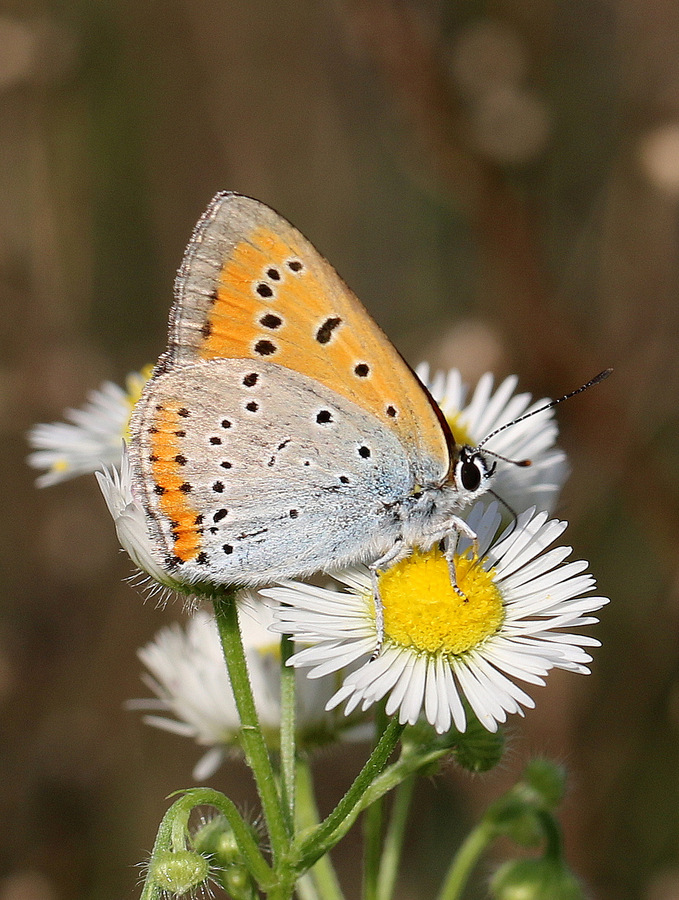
{"x":500,"y":184}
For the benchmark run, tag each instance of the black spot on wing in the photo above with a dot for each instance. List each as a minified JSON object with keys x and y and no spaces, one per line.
{"x":265,"y":347}
{"x":271,"y":321}
{"x":324,"y":332}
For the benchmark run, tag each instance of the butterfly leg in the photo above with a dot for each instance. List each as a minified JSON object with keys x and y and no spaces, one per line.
{"x":458,"y":527}
{"x":394,"y":555}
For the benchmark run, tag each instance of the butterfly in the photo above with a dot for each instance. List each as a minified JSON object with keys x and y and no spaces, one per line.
{"x":281,"y":433}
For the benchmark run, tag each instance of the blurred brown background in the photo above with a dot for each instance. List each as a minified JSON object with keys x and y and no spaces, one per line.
{"x":499,"y":182}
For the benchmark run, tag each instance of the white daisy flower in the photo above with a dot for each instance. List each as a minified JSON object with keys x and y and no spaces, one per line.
{"x":514,"y":623}
{"x":93,"y":435}
{"x":534,"y":439}
{"x":130,"y":521}
{"x":188,"y":674}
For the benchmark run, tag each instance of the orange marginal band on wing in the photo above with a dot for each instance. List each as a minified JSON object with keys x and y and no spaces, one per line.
{"x":174,"y":493}
{"x":233,"y":304}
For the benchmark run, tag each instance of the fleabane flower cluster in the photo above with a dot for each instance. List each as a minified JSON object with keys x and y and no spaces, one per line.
{"x":519,"y":611}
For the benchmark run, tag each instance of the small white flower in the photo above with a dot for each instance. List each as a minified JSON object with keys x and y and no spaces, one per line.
{"x":514,"y":623}
{"x":189,"y":676}
{"x":470,"y":421}
{"x":130,"y":521}
{"x":92,"y":437}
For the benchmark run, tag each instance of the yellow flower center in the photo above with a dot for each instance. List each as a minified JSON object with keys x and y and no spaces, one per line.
{"x":460,"y":432}
{"x":424,"y":612}
{"x":135,"y":385}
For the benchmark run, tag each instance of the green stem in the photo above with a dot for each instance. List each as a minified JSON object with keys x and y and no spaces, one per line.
{"x":465,"y":860}
{"x":393,"y":843}
{"x":323,"y":872}
{"x":288,"y":728}
{"x":372,"y":848}
{"x":323,"y":839}
{"x":373,"y":824}
{"x":281,"y":891}
{"x":254,"y":747}
{"x":552,"y":832}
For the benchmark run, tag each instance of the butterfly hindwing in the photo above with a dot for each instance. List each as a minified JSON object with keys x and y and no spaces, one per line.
{"x":248,"y":476}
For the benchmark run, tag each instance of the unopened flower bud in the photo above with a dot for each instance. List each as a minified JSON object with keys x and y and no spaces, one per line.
{"x":477,"y":749}
{"x":535,"y":879}
{"x":547,"y":781}
{"x":179,"y":872}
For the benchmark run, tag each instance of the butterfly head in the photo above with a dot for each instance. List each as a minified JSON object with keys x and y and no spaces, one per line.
{"x":471,"y":473}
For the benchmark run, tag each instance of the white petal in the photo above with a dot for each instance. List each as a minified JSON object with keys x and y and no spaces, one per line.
{"x":411,"y":706}
{"x":208,"y":764}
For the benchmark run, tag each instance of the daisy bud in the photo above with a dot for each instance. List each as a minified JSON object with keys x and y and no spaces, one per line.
{"x":535,"y":879}
{"x":217,"y":840}
{"x":238,"y":884}
{"x":546,"y":781}
{"x":477,"y":749}
{"x":179,"y":872}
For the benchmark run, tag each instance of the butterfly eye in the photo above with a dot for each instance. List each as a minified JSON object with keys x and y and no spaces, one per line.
{"x":470,"y":475}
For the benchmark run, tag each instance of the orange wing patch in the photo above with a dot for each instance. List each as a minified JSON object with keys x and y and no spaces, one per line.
{"x":252,"y":287}
{"x":273,"y":303}
{"x":173,"y":491}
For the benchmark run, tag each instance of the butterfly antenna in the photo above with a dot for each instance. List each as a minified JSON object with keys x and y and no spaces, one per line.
{"x":552,"y":403}
{"x":514,"y":462}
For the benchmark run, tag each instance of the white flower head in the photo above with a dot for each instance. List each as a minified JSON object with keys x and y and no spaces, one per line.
{"x":472,"y":420}
{"x":91,"y":438}
{"x":514,"y":622}
{"x":189,"y":677}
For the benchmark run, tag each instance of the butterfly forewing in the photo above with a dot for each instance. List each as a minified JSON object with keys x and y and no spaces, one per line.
{"x":252,"y":287}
